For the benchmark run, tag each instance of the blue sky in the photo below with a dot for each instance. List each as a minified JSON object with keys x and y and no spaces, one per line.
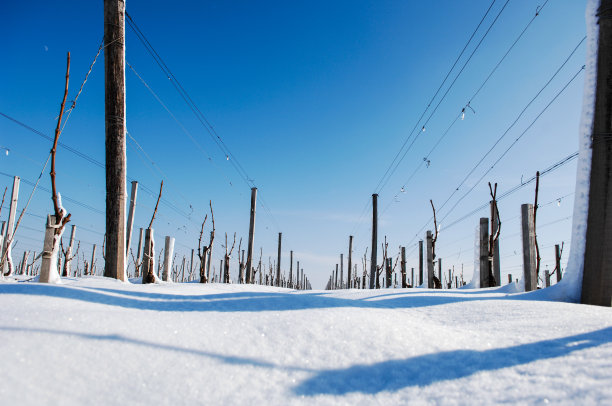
{"x":314,"y":99}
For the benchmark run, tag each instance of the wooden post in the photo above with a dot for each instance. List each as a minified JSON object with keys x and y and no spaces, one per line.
{"x":148,"y":258}
{"x":388,"y":276}
{"x":114,"y":111}
{"x":191,"y":266}
{"x":249,"y":260}
{"x":430,"y":270}
{"x":210,"y":248}
{"x":496,"y":267}
{"x":558,"y":262}
{"x":69,"y":252}
{"x":336,"y":278}
{"x":420,"y":263}
{"x":450,"y":279}
{"x":341,"y":271}
{"x":547,"y":278}
{"x":24,"y":262}
{"x":529,"y":255}
{"x":93,"y":260}
{"x":509,"y":278}
{"x":597,"y":273}
{"x":130,"y":221}
{"x":168,"y":253}
{"x":484,"y":252}
{"x":48,"y":267}
{"x":412,"y":278}
{"x":10,"y":225}
{"x":278,"y":264}
{"x":440,"y":270}
{"x":373,"y":258}
{"x":350,"y":260}
{"x":403,"y":268}
{"x":221,"y":271}
{"x":290,"y":269}
{"x":139,"y":254}
{"x":183,"y":270}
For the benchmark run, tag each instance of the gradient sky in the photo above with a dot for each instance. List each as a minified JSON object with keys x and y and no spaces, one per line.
{"x":314,"y":99}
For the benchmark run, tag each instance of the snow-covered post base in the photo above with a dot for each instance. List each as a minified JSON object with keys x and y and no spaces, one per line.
{"x":48,"y":268}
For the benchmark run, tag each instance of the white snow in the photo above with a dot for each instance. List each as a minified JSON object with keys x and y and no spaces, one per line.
{"x":99,"y":341}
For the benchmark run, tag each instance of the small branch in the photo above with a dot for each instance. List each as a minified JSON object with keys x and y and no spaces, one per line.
{"x":54,"y":196}
{"x":535,"y":235}
{"x":161,"y":186}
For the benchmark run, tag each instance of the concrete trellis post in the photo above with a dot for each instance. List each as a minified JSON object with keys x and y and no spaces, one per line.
{"x":69,"y":252}
{"x":24,"y":262}
{"x":529,"y":255}
{"x":10,"y":226}
{"x":92,"y":269}
{"x":168,"y":257}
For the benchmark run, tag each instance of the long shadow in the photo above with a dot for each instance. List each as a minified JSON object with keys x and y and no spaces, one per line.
{"x":224,"y":302}
{"x":228,"y":359}
{"x":442,"y":366}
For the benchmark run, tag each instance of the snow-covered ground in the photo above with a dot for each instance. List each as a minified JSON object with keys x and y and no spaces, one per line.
{"x":100,"y":341}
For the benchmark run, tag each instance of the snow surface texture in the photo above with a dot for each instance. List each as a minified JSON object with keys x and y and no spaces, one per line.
{"x":99,"y":341}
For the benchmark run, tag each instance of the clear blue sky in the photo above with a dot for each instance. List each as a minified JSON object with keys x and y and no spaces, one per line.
{"x":314,"y":99}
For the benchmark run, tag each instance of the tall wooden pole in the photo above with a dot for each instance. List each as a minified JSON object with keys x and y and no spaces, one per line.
{"x":278,"y":263}
{"x":291,"y":269}
{"x":597,"y":274}
{"x":494,"y":226}
{"x":558,"y":262}
{"x":139,"y":254}
{"x":249,"y":260}
{"x":420,"y":264}
{"x":430,"y":264}
{"x":114,"y":109}
{"x":350,"y":261}
{"x":484,"y":252}
{"x":341,"y":271}
{"x":373,"y":259}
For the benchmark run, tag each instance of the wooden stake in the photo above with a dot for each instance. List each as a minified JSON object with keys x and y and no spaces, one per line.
{"x":278,"y":264}
{"x":484,"y":252}
{"x":430,"y":270}
{"x":529,"y":256}
{"x":420,"y":263}
{"x":597,"y":274}
{"x":115,"y":129}
{"x":249,"y":261}
{"x":373,"y":259}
